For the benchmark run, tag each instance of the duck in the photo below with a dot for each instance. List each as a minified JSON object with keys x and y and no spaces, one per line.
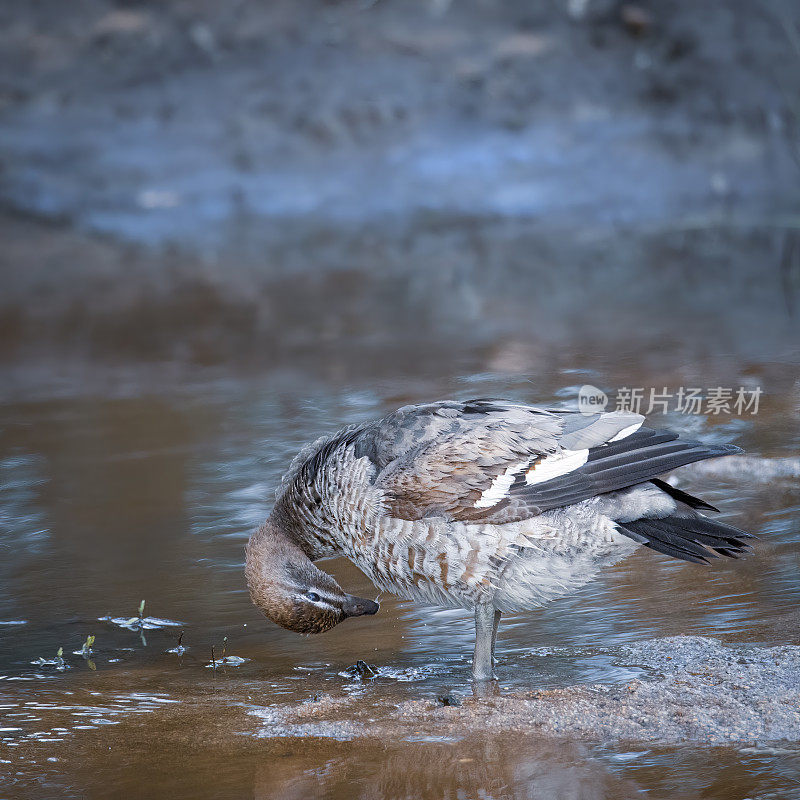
{"x":487,"y":505}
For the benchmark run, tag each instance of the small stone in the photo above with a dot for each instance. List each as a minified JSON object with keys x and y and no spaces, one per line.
{"x":449,"y":699}
{"x":360,"y":670}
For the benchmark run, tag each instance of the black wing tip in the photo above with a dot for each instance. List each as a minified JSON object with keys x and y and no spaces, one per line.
{"x":726,"y":449}
{"x":702,"y":505}
{"x":696,"y":539}
{"x":683,"y":497}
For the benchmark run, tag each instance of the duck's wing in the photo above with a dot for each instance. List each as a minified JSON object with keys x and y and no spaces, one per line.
{"x":497,"y":461}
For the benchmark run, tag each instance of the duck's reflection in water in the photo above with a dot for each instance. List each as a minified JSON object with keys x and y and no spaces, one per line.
{"x":500,"y":767}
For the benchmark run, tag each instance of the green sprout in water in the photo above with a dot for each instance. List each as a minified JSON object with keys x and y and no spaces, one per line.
{"x":57,"y":662}
{"x":138,"y":621}
{"x":141,"y":624}
{"x":86,"y":652}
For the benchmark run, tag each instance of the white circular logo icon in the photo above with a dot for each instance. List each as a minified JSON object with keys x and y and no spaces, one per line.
{"x":591,"y":400}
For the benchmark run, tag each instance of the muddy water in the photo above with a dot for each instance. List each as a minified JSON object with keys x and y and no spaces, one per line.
{"x":127,"y":484}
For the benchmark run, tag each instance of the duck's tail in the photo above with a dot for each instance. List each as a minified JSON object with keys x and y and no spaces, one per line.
{"x":690,"y":537}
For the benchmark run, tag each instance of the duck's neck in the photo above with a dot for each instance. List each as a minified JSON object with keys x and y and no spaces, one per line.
{"x":270,"y":553}
{"x":276,"y":555}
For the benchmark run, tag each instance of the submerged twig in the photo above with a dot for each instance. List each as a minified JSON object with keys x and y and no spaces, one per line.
{"x":224,"y":660}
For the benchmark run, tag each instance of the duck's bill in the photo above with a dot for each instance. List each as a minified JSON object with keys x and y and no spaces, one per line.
{"x":358,"y":606}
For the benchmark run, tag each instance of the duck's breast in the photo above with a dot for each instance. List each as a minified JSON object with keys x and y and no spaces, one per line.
{"x":515,"y":566}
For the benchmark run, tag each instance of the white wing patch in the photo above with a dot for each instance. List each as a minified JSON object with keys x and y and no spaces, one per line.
{"x":556,"y":465}
{"x":500,"y":486}
{"x":625,"y":432}
{"x":552,"y":466}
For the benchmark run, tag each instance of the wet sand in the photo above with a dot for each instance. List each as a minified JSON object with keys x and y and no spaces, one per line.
{"x":697,"y":701}
{"x":695,"y":690}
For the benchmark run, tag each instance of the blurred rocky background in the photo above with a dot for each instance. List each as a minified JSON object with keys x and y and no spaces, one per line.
{"x":207,"y":182}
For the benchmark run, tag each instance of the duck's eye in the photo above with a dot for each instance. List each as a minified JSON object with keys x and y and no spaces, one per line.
{"x":313,"y":597}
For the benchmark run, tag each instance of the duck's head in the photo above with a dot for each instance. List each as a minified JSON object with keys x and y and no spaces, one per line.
{"x":291,"y":591}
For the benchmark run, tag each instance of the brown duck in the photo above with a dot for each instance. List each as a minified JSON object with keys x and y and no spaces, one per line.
{"x":484,"y":504}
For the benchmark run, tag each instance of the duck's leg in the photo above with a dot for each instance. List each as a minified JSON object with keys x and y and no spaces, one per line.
{"x":484,"y":636}
{"x":497,"y":615}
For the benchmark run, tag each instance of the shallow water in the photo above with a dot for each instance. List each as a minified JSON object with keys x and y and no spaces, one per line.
{"x":145,"y":484}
